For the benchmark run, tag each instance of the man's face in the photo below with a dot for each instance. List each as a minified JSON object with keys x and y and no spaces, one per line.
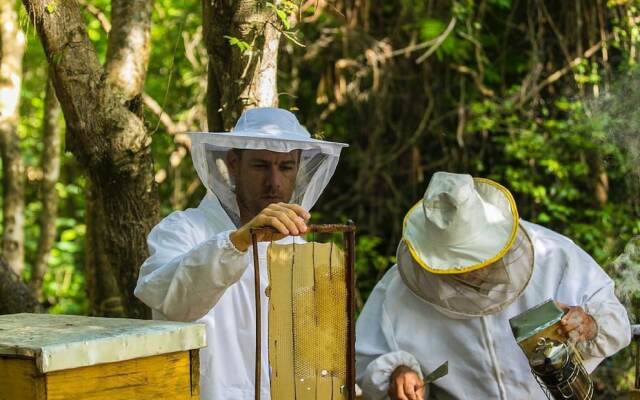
{"x":489,"y":276}
{"x":262,"y":177}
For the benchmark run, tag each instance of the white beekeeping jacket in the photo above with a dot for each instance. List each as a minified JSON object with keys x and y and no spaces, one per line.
{"x":194,"y":273}
{"x":398,"y":328}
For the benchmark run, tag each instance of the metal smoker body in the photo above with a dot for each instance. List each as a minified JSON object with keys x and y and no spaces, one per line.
{"x":555,"y":362}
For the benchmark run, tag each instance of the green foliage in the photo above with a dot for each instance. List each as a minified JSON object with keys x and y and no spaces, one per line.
{"x":281,"y":11}
{"x":239,"y":43}
{"x":64,"y":286}
{"x":549,"y":164}
{"x":285,"y":10}
{"x":371,"y":262}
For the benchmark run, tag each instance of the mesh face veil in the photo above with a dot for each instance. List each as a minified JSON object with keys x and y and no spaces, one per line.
{"x":269,"y":129}
{"x":467,"y":295}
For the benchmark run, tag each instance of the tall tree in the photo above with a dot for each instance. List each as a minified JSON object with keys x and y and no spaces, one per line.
{"x":105,"y":131}
{"x":11,"y":52}
{"x":242,"y":39}
{"x":51,"y":172}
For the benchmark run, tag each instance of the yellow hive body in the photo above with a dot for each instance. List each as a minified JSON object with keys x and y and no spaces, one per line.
{"x":59,"y":357}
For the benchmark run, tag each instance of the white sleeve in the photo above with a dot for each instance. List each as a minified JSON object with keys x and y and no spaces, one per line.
{"x":585,"y":284}
{"x":375,"y":361}
{"x":186,"y":274}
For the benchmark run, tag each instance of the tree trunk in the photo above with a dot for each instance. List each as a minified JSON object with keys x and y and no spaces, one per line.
{"x":15,"y":296}
{"x":49,"y":196}
{"x":11,"y":52}
{"x":102,"y":108}
{"x":102,"y":285}
{"x":237,"y":79}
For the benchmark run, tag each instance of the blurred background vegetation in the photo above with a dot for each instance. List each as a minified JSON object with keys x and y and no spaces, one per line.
{"x":542,"y":96}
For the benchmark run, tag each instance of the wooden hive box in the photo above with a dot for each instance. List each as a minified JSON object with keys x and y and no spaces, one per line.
{"x":55,"y":357}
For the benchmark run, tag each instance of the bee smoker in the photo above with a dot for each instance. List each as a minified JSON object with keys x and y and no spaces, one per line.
{"x":555,"y":362}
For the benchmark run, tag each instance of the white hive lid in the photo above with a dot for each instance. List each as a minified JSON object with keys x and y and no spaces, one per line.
{"x":59,"y":342}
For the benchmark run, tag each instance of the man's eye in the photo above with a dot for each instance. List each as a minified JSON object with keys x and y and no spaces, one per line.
{"x":259,"y":166}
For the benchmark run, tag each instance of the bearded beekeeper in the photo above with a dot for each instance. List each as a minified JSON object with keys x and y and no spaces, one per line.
{"x":267,"y":172}
{"x":466,"y":265}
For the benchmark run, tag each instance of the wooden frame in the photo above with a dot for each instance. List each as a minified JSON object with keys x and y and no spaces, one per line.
{"x":348,"y":232}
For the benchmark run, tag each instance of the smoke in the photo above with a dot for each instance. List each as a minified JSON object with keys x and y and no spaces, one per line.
{"x":617,"y":115}
{"x":625,"y":269}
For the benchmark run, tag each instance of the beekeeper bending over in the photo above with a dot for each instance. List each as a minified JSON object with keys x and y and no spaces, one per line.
{"x":466,"y":265}
{"x":267,"y":172}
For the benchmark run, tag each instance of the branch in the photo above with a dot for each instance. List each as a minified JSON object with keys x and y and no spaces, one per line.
{"x":476,"y":79}
{"x":150,"y":102}
{"x":165,"y":119}
{"x":175,"y":129}
{"x":128,"y":47}
{"x":76,"y":72}
{"x":414,"y":47}
{"x":98,"y":14}
{"x":438,"y":41}
{"x":561,"y":72}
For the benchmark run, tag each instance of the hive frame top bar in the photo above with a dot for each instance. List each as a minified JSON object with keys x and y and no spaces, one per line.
{"x":313,"y":228}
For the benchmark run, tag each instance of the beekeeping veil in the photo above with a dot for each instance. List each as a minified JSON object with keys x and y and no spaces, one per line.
{"x":463,"y":249}
{"x":270,"y":129}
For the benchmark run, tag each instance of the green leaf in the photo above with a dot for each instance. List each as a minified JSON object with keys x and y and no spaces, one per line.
{"x":282,"y":15}
{"x":51,"y":7}
{"x":240,"y":44}
{"x":431,"y":28}
{"x":68,"y":235}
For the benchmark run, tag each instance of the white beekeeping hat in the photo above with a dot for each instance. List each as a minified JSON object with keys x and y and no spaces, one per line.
{"x":462,"y":247}
{"x":272,"y":129}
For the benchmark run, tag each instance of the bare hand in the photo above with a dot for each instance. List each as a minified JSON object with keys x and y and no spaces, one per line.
{"x":288,"y":219}
{"x":405,"y":384}
{"x":577,"y":324}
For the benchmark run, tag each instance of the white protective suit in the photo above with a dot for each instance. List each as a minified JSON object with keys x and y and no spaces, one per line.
{"x":194,"y":273}
{"x":397,"y":328}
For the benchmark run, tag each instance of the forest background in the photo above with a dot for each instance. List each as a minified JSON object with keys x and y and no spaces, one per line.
{"x":541,"y":96}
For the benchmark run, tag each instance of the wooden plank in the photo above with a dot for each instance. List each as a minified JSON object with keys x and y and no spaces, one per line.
{"x":166,"y":376}
{"x":280,"y":324}
{"x":339,"y":386}
{"x":304,"y":322}
{"x":305,"y":389}
{"x":324,"y":385}
{"x":194,"y":357}
{"x":19,"y":379}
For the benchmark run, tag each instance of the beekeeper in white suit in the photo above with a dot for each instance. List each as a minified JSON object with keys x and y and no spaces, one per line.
{"x":466,"y":265}
{"x":267,"y":172}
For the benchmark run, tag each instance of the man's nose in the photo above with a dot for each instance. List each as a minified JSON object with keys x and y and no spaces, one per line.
{"x":274,"y":177}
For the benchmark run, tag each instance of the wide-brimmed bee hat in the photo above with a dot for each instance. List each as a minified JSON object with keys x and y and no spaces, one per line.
{"x":264,"y":128}
{"x":464,"y":224}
